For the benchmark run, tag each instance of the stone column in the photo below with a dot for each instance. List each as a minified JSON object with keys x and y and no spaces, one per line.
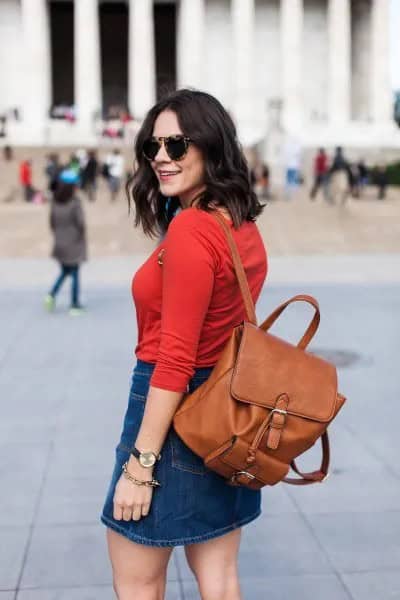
{"x":243,"y":13}
{"x":291,"y":19}
{"x":87,"y":70}
{"x":37,"y":67}
{"x":191,"y":19}
{"x":381,"y":95}
{"x":339,"y":34}
{"x":141,"y":60}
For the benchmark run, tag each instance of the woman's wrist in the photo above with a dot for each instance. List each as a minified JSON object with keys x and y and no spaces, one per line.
{"x":140,"y":482}
{"x":136,"y":469}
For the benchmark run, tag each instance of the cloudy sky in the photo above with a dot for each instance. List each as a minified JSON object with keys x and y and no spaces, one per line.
{"x":395,"y":43}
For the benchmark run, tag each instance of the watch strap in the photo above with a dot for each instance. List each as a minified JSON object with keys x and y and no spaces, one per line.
{"x":136,"y":453}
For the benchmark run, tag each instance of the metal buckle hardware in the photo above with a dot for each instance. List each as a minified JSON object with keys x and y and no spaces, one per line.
{"x":235,"y":475}
{"x":279,"y":410}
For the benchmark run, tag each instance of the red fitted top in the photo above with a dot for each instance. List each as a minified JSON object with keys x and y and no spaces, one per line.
{"x":186,"y":308}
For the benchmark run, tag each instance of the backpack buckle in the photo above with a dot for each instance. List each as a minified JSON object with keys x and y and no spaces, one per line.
{"x":279,"y":410}
{"x":234,"y":477}
{"x":276,"y":425}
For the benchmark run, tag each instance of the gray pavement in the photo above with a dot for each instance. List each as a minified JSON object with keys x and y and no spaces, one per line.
{"x":63,"y":390}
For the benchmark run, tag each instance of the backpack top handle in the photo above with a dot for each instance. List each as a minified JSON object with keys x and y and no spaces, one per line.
{"x":311,"y":329}
{"x":248,"y":300}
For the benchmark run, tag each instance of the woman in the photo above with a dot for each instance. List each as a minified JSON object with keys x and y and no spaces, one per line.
{"x":187,"y":302}
{"x":67,"y":222}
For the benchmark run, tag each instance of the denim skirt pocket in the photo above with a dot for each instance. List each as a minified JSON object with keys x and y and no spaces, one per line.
{"x":183,"y":458}
{"x":132,"y":421}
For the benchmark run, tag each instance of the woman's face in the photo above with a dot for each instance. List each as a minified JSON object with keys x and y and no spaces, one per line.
{"x":183,"y":178}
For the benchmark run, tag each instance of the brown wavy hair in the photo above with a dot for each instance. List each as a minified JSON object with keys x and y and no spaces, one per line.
{"x":227,"y":179}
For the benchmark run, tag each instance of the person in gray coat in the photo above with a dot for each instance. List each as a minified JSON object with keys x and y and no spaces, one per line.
{"x":67,"y":222}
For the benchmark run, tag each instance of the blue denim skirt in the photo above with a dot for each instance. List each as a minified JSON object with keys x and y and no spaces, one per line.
{"x":193,"y":504}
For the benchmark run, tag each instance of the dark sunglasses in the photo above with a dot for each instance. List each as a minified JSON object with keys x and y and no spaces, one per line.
{"x":176,"y":146}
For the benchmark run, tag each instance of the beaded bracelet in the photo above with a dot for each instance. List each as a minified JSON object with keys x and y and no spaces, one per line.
{"x":152,"y":483}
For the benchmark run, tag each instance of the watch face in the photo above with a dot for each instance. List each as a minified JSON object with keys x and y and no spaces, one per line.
{"x":147,"y":459}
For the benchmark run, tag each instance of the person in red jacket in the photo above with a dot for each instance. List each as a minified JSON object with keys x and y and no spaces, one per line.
{"x":321,"y":168}
{"x":25,"y":179}
{"x":187,"y":299}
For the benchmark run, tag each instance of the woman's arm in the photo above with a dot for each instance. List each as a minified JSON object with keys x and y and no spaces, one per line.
{"x":160,"y":408}
{"x":188,"y":281}
{"x":132,"y":502}
{"x":161,"y":405}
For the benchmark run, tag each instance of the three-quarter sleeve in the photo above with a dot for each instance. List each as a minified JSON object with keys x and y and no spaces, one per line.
{"x":189,"y":266}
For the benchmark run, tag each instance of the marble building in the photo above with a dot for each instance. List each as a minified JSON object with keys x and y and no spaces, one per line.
{"x":317,"y":69}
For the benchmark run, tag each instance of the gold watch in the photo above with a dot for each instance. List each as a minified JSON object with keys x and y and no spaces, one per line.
{"x":146,"y":459}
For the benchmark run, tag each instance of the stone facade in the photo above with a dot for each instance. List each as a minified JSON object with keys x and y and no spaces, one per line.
{"x":316,"y":69}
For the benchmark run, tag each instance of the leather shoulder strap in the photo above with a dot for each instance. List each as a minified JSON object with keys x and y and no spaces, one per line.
{"x":314,"y":476}
{"x":239,"y":270}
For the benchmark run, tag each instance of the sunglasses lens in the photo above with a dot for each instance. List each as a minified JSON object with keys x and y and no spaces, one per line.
{"x":151,"y":148}
{"x":176,"y":147}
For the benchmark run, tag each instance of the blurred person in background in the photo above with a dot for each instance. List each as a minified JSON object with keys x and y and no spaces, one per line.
{"x":83,"y":156}
{"x":75,"y":164}
{"x":115,"y":172}
{"x":321,"y":169}
{"x":381,"y":180}
{"x":25,"y":179}
{"x":3,"y":126}
{"x":11,"y":193}
{"x":362,"y":177}
{"x":354,"y":180}
{"x":260,"y":179}
{"x":292,"y":160}
{"x":67,"y":223}
{"x":339,"y":177}
{"x":362,"y":172}
{"x":89,"y":176}
{"x":8,"y":154}
{"x":52,"y":171}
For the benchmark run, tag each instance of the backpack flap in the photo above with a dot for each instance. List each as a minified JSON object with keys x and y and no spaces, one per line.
{"x":268,"y":367}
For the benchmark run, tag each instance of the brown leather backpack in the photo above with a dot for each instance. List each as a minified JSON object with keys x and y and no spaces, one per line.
{"x":265,"y":402}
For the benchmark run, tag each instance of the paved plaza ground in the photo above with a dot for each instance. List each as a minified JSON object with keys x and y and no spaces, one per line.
{"x":64,"y":386}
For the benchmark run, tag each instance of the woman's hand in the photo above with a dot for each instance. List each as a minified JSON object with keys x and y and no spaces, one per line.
{"x":131,"y":501}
